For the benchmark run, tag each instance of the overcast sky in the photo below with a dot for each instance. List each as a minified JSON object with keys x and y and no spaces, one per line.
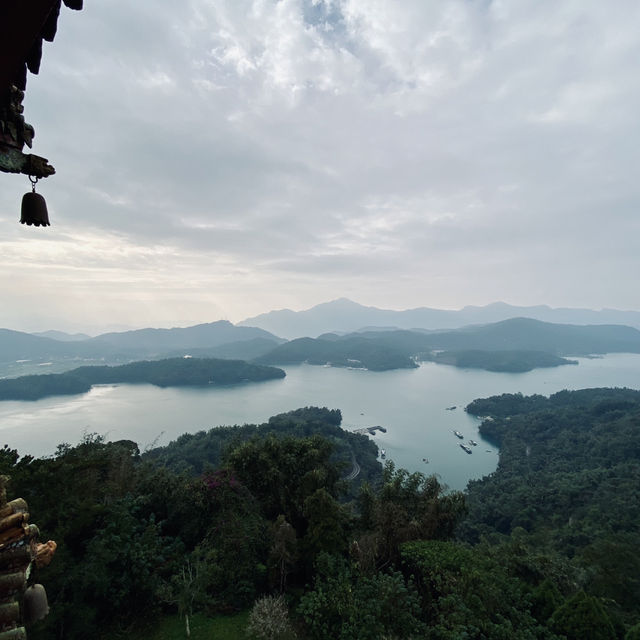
{"x":221,"y":158}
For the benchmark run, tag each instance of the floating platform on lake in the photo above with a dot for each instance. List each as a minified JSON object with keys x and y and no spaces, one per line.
{"x":370,"y":430}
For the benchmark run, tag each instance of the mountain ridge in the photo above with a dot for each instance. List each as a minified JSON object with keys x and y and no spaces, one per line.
{"x":346,"y":316}
{"x":531,"y":342}
{"x":33,"y":351}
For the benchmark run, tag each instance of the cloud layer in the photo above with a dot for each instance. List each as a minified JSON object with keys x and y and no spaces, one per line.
{"x":219,"y":158}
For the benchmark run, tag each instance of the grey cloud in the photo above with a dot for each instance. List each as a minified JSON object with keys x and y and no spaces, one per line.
{"x":344,"y":140}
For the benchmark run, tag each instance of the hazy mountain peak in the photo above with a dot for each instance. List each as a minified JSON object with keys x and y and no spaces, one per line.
{"x":62,"y":336}
{"x":342,"y":303}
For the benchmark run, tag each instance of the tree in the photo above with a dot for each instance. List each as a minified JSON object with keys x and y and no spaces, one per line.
{"x":467,"y":594}
{"x":327,"y":525}
{"x":346,"y":605}
{"x":582,"y":616}
{"x":283,"y":472}
{"x":184,"y":590}
{"x":408,"y":506}
{"x":233,"y":550}
{"x":284,"y":550}
{"x":269,"y":619}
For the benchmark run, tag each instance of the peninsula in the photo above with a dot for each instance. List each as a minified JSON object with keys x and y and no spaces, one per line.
{"x":170,"y":372}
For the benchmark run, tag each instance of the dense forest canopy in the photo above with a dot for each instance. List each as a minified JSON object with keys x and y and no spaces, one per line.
{"x":568,"y":483}
{"x":270,"y":518}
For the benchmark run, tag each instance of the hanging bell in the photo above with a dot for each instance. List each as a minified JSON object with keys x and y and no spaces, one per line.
{"x":34,"y":208}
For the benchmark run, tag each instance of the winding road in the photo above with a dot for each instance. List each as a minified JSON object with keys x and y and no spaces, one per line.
{"x":355,"y":471}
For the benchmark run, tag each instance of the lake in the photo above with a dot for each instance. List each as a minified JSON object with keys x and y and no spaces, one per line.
{"x":410,"y":404}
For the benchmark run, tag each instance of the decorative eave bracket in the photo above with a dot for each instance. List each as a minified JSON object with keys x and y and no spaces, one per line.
{"x":12,"y":160}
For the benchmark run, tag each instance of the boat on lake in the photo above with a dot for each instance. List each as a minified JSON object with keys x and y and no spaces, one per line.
{"x":458,"y":434}
{"x":383,"y":453}
{"x":465,"y":447}
{"x":473,"y":443}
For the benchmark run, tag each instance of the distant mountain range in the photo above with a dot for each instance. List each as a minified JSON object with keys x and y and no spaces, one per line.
{"x":531,"y":341}
{"x":211,"y":334}
{"x":62,"y":336}
{"x":221,"y":339}
{"x":375,"y":345}
{"x":345,"y":316}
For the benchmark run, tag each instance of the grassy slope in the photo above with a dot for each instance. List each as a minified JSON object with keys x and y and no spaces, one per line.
{"x":202,"y":628}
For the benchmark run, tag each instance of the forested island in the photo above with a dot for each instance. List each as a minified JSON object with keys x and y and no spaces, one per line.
{"x":382,"y":351}
{"x":170,"y":372}
{"x":506,"y":361}
{"x":268,"y":521}
{"x":351,"y":351}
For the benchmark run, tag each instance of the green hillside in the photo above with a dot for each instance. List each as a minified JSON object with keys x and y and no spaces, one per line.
{"x":266,"y":520}
{"x":352,"y":351}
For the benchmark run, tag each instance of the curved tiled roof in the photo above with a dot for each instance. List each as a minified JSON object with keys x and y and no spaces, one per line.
{"x":24,"y":24}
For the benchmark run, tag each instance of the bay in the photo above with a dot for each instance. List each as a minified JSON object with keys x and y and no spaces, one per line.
{"x":410,"y":404}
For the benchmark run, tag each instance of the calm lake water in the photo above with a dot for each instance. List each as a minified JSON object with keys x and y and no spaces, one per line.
{"x":411,"y":404}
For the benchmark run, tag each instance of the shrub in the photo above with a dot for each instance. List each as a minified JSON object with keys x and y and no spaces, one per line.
{"x":269,"y":619}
